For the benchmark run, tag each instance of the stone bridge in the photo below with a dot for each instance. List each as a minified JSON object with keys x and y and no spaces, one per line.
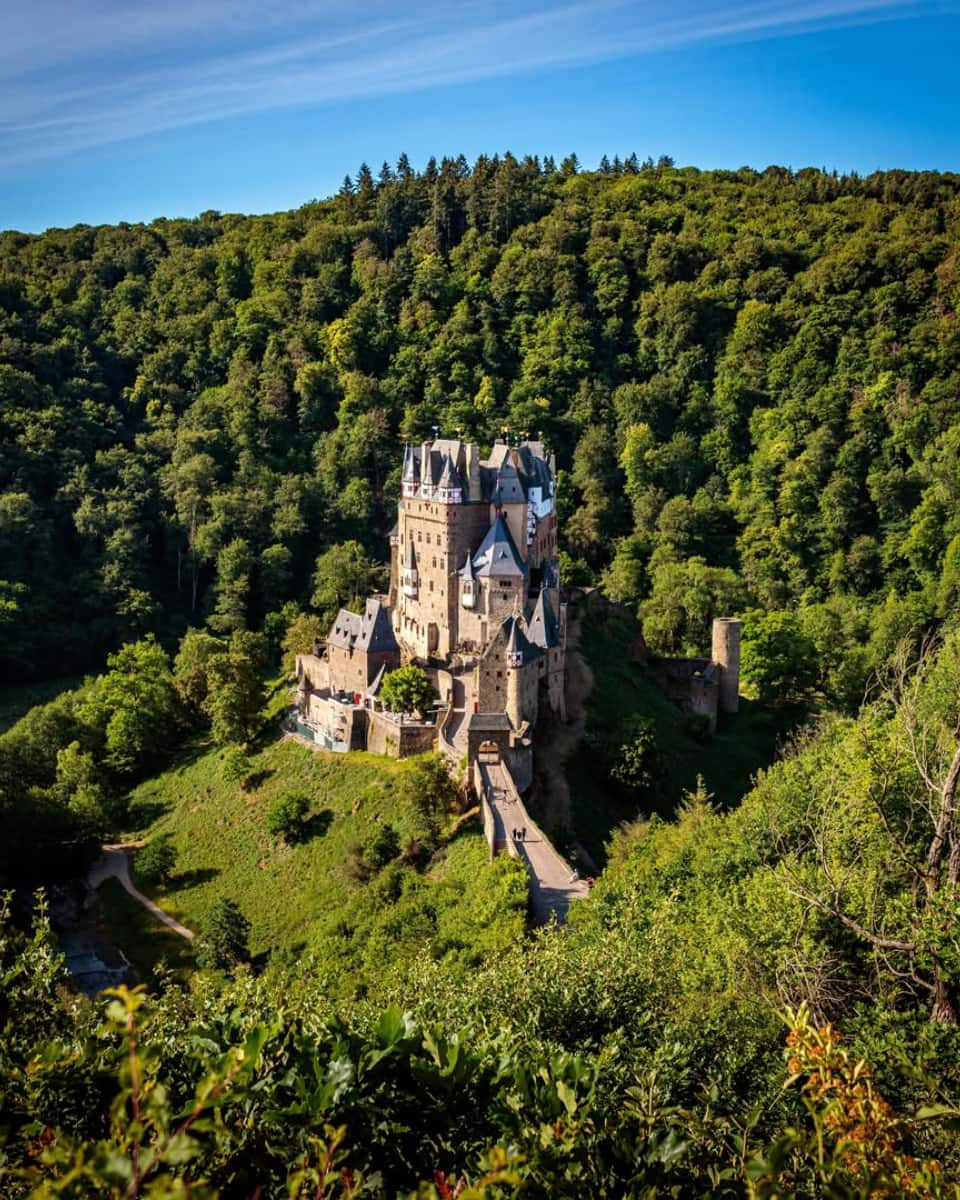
{"x":553,"y":883}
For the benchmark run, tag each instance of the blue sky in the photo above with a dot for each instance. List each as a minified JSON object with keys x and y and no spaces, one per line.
{"x":126,"y":110}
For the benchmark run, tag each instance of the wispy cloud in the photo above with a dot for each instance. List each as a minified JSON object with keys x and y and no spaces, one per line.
{"x":80,"y":73}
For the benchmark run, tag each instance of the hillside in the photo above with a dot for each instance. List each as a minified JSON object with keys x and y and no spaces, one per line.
{"x":307,"y":897}
{"x":750,"y":380}
{"x":623,"y":692}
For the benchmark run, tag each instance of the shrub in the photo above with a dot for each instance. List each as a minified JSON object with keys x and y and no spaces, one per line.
{"x":157,"y":861}
{"x":225,"y":936}
{"x":285,"y":818}
{"x":383,"y":846}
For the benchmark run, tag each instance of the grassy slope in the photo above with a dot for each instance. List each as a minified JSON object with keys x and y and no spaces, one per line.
{"x":742,"y":745}
{"x":304,"y":895}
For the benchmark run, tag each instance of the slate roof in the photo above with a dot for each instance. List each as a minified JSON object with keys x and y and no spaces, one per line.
{"x":449,"y":475}
{"x":502,"y":480}
{"x":497,"y":554}
{"x":369,"y":631}
{"x":544,"y":629}
{"x":409,"y":558}
{"x":345,"y":629}
{"x":376,"y":632}
{"x":489,"y":721}
{"x":508,"y":489}
{"x":519,"y":643}
{"x":411,"y":465}
{"x":466,"y":571}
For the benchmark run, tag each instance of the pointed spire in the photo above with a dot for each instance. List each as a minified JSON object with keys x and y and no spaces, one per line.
{"x":543,"y":629}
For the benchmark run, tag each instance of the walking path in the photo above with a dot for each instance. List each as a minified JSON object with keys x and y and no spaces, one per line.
{"x":114,"y":863}
{"x":456,"y":731}
{"x":552,"y":888}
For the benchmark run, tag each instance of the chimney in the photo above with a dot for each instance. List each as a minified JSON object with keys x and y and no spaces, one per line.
{"x":726,"y":652}
{"x":473,"y":472}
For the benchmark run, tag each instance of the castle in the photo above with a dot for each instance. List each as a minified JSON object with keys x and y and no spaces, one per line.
{"x":474,"y":597}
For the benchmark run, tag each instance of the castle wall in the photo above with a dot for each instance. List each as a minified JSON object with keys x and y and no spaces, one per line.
{"x":544,"y":545}
{"x":341,"y":723}
{"x":702,"y":698}
{"x":396,"y":739}
{"x":490,"y":684}
{"x":441,"y":535}
{"x":552,"y":676}
{"x":515,"y":516}
{"x":313,"y":670}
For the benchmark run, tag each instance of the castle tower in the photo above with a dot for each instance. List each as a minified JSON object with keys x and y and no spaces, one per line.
{"x":726,"y":652}
{"x":514,"y":664}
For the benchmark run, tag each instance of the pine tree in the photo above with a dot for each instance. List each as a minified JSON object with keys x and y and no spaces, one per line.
{"x":226,"y":935}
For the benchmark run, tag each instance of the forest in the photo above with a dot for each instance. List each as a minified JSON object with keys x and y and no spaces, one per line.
{"x":751,"y":380}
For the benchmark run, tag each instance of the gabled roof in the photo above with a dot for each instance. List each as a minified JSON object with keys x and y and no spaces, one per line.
{"x":449,"y":475}
{"x":497,"y":553}
{"x":508,"y":489}
{"x":376,"y":632}
{"x":544,"y":629}
{"x":345,"y":629}
{"x":498,"y":455}
{"x":519,"y":643}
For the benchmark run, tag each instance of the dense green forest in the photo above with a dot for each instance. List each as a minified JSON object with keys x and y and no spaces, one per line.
{"x":750,"y":380}
{"x":752,"y":384}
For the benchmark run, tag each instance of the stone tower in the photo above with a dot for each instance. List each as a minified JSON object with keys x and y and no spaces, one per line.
{"x":726,"y":652}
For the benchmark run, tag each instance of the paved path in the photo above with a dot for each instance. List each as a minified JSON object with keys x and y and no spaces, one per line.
{"x":114,"y":863}
{"x":456,"y":731}
{"x":551,"y":889}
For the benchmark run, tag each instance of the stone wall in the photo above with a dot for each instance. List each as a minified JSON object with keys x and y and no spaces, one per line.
{"x":348,"y":670}
{"x":385,"y":735}
{"x":441,"y":534}
{"x":314,"y":670}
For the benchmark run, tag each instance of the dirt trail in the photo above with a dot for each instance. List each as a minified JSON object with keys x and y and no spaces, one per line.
{"x":114,"y":863}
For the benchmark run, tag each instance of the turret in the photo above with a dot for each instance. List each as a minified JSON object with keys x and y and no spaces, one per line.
{"x":449,"y":489}
{"x":409,"y":579}
{"x":409,"y":478}
{"x":726,"y":652}
{"x":468,"y":584}
{"x":514,"y":654}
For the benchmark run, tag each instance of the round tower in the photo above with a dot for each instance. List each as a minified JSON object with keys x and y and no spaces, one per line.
{"x":726,"y":652}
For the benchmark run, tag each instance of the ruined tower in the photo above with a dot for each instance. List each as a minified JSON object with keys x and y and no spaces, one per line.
{"x":726,"y":652}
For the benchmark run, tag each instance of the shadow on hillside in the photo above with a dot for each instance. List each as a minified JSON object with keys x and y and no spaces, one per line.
{"x":257,"y":779}
{"x":318,"y":825}
{"x":145,"y":813}
{"x":623,"y":691}
{"x":189,"y":755}
{"x":194,"y":878}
